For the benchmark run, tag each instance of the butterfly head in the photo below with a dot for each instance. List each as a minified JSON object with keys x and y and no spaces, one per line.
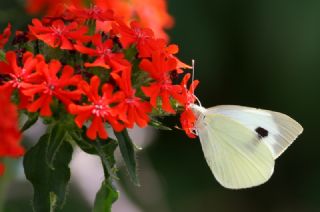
{"x":199,"y":113}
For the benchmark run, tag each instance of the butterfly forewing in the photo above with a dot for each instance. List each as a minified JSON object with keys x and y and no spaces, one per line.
{"x":278,"y":130}
{"x":236,"y":156}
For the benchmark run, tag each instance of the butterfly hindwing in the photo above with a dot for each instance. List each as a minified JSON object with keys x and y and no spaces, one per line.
{"x":275,"y":129}
{"x":236,"y":156}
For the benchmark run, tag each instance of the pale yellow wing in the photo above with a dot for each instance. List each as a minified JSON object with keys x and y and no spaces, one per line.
{"x":277,"y":130}
{"x":234,"y":153}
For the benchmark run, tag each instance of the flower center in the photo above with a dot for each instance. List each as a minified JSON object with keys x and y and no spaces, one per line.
{"x":103,"y":51}
{"x":94,"y":11}
{"x":138,"y":33}
{"x":166,"y":84}
{"x":57,"y":30}
{"x":16,"y":80}
{"x":129,"y":100}
{"x":100,"y":110}
{"x":50,"y":89}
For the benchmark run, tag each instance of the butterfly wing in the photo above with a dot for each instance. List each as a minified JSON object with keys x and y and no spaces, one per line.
{"x":276,"y":130}
{"x":236,"y":156}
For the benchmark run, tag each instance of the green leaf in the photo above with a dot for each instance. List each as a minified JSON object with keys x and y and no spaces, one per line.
{"x":90,"y":146}
{"x":105,"y":197}
{"x":56,"y":138}
{"x":49,"y":182}
{"x":91,"y":26}
{"x":2,"y":55}
{"x":103,"y":148}
{"x":85,"y":144}
{"x":130,"y":53}
{"x":127,"y":150}
{"x":32,"y":119}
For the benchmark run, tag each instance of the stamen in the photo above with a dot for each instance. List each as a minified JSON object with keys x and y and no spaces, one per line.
{"x":57,"y":30}
{"x":100,"y":110}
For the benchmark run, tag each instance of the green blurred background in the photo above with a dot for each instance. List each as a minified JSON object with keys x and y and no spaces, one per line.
{"x":259,"y":53}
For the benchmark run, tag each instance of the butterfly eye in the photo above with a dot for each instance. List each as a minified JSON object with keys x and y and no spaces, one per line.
{"x":194,"y":132}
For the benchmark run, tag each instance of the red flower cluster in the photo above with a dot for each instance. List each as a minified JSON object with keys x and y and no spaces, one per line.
{"x":103,"y":55}
{"x":109,"y":73}
{"x":159,"y":69}
{"x":98,"y":108}
{"x":131,"y":109}
{"x":50,"y":6}
{"x":52,"y":85}
{"x":59,"y":34}
{"x":37,"y":82}
{"x":150,"y":13}
{"x":19,"y":77}
{"x":9,"y":132}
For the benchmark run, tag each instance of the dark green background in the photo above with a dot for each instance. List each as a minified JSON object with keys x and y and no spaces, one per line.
{"x":259,"y":53}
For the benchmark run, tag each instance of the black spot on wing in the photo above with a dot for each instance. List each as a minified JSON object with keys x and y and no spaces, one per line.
{"x":262,"y":133}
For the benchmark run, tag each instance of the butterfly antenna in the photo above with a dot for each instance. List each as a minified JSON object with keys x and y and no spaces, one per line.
{"x":193,"y":64}
{"x":193,"y":73}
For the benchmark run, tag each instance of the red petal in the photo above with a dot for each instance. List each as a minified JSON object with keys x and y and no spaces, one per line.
{"x":66,"y":75}
{"x":94,"y":86}
{"x":54,"y":68}
{"x":66,"y":44}
{"x":141,"y":119}
{"x":4,"y":37}
{"x":85,"y":50}
{"x":81,"y":118}
{"x":99,"y":62}
{"x":97,"y":127}
{"x":172,"y":49}
{"x":11,"y":58}
{"x":166,"y":105}
{"x":153,"y":92}
{"x":146,"y":65}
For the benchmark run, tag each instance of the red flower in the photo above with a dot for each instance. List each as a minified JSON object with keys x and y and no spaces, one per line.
{"x":135,"y":34}
{"x":187,"y":118}
{"x":19,"y":77}
{"x":150,"y":13}
{"x":153,"y":14}
{"x":173,"y":49}
{"x":4,"y":37}
{"x":103,"y":53}
{"x":189,"y":96}
{"x":169,"y":50}
{"x":59,"y":34}
{"x":95,"y":12}
{"x":9,"y":133}
{"x":98,"y":109}
{"x":132,"y":109}
{"x":159,"y":69}
{"x":121,"y":7}
{"x":52,"y":86}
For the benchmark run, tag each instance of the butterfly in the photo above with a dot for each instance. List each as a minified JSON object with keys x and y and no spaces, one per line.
{"x":240,"y":144}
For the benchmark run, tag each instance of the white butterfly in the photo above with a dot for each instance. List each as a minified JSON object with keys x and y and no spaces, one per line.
{"x":240,"y":144}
